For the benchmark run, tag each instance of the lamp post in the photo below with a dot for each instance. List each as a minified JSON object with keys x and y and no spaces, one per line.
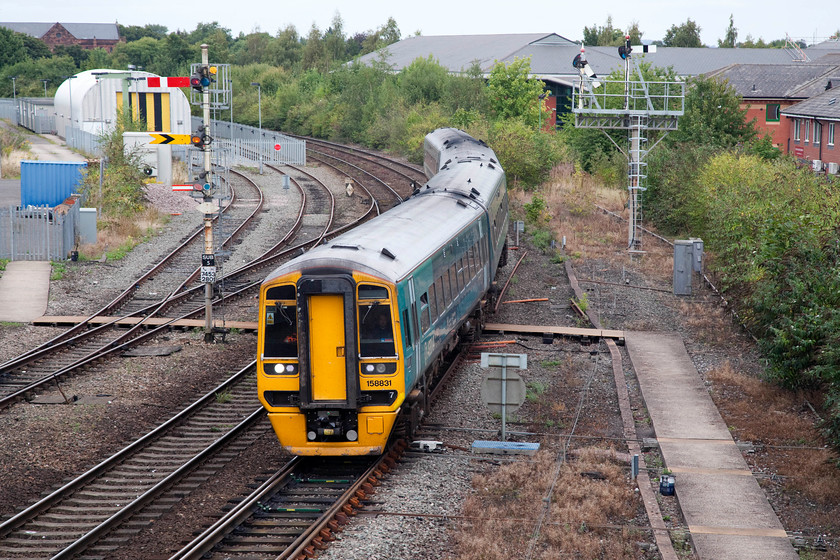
{"x":259,"y":109}
{"x":45,"y":87}
{"x":14,"y":91}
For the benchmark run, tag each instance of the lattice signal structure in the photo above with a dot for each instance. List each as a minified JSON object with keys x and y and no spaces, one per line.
{"x":635,"y":105}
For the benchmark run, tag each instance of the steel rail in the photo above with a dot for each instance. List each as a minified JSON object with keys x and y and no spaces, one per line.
{"x":49,"y":501}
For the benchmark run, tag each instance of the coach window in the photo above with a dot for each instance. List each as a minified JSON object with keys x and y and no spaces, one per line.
{"x":424,"y":313}
{"x":444,"y":282}
{"x":456,"y":281}
{"x":376,"y":331}
{"x":433,"y":304}
{"x":280,"y":323}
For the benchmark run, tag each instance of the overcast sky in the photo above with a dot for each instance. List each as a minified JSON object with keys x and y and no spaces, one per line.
{"x":767,"y":19}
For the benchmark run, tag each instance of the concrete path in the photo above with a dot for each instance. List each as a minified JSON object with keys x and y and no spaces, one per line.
{"x":48,"y":147}
{"x":727,"y":512}
{"x":24,"y":290}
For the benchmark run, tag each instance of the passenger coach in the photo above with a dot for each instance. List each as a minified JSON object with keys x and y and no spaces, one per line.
{"x":352,"y":332}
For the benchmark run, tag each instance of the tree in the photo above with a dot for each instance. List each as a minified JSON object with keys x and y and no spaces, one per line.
{"x":314,"y":50}
{"x":77,"y":53}
{"x":12,"y":48}
{"x":136,"y":32}
{"x":730,"y":39}
{"x":334,"y":40}
{"x":609,"y":36}
{"x":685,"y":35}
{"x":713,"y":115}
{"x":605,"y":36}
{"x":286,"y":49}
{"x":750,"y":43}
{"x":35,"y":48}
{"x":513,"y":94}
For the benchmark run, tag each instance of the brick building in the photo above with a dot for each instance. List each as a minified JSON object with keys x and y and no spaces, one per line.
{"x":85,"y":35}
{"x":768,"y":90}
{"x":814,"y":125}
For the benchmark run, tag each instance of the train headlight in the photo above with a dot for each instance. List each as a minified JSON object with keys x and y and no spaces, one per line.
{"x":352,"y":435}
{"x":287,"y":369}
{"x":381,"y":368}
{"x":311,"y":436}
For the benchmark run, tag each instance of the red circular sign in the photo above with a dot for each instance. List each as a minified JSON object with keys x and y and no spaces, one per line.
{"x":276,"y":146}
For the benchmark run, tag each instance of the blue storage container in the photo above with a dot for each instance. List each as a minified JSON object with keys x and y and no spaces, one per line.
{"x":48,"y":183}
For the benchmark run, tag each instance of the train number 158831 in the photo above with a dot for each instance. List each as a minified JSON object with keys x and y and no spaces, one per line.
{"x":378,"y":382}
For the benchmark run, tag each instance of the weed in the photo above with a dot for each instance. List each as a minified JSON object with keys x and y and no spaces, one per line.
{"x":224,"y":396}
{"x":583,"y":302}
{"x":10,"y":324}
{"x":534,"y":390}
{"x":551,"y":363}
{"x":58,"y":270}
{"x":542,"y":239}
{"x":3,"y":263}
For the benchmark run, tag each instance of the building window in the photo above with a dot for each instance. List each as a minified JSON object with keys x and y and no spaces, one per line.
{"x":831,"y":134}
{"x":797,"y":126}
{"x":772,"y":113}
{"x":817,"y":133}
{"x":807,"y":130}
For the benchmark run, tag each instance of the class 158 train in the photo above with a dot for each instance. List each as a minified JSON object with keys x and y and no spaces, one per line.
{"x":352,"y":333}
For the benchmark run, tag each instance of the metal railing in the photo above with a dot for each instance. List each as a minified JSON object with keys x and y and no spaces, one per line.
{"x":246,"y":144}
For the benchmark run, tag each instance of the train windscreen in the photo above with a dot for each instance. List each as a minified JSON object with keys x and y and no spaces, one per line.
{"x":280,"y":331}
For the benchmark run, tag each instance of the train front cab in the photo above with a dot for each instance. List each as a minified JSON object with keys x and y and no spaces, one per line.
{"x":329,"y":371}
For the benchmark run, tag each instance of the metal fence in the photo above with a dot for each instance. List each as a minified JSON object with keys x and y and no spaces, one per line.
{"x":85,"y":142}
{"x":38,"y":233}
{"x":246,"y":144}
{"x":9,"y":110}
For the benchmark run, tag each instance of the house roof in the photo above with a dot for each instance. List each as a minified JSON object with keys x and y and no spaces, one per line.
{"x":459,"y":52}
{"x":101,"y":31}
{"x":777,"y":81}
{"x":551,"y":55}
{"x":825,"y":105}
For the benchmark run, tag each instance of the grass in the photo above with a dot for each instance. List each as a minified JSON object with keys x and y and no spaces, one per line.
{"x":534,"y":390}
{"x":118,"y":236}
{"x":223,"y":397}
{"x":501,"y":516}
{"x":58,"y":270}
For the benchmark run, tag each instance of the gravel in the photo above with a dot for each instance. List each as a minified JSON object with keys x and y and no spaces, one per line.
{"x":414,"y":513}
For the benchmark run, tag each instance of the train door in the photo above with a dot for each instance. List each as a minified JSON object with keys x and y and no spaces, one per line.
{"x":411,"y":364}
{"x":327,"y":347}
{"x":328,"y":371}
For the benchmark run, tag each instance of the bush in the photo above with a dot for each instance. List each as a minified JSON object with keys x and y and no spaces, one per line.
{"x":526,"y":154}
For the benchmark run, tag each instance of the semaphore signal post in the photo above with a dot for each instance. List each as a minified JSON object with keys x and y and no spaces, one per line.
{"x":634,"y":105}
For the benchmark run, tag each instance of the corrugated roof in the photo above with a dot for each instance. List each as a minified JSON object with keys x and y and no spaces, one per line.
{"x":825,"y":105}
{"x":104,"y":31}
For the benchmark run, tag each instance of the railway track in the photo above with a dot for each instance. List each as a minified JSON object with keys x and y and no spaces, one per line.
{"x":296,"y":511}
{"x":98,"y":530}
{"x":166,"y":461}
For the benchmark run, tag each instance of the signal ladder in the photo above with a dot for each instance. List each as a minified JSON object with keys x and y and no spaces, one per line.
{"x":637,"y":179}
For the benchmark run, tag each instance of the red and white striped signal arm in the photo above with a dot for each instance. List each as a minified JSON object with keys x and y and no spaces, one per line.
{"x":174,"y":81}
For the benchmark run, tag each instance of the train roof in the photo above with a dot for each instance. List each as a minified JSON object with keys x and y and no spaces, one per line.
{"x":393,"y":244}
